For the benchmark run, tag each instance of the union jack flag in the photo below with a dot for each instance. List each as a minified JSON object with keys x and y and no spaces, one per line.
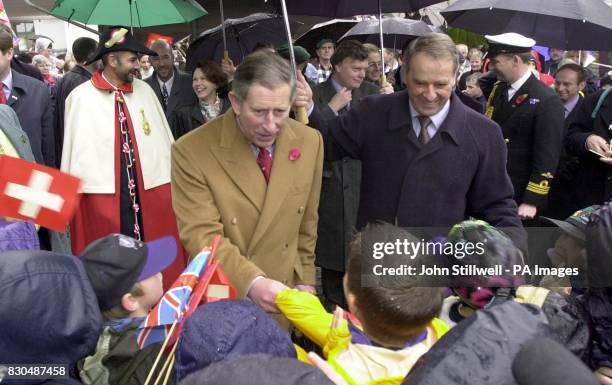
{"x":171,"y":307}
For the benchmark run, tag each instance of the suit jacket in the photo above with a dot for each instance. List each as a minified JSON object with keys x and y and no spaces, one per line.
{"x":187,"y":118}
{"x":532,"y":125}
{"x":594,"y":178}
{"x":460,"y":173}
{"x":181,"y":93}
{"x":31,"y":101}
{"x":75,"y":77}
{"x":339,"y":188}
{"x":218,"y":188}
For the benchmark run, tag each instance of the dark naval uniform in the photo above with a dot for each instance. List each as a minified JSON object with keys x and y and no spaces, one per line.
{"x":532,"y":125}
{"x":531,"y":122}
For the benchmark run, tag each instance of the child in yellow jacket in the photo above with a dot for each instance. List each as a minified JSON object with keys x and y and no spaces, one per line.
{"x":390,"y":324}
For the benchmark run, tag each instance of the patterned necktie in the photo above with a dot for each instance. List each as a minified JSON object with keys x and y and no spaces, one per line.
{"x":164,"y":93}
{"x":424,"y":135}
{"x":264,"y":160}
{"x":2,"y":94}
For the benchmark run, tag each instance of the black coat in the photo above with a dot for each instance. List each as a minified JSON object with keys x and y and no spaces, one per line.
{"x":187,"y":118}
{"x":532,"y":125}
{"x":594,"y":178}
{"x":460,"y":173}
{"x":561,"y":200}
{"x":75,"y":77}
{"x":339,"y":200}
{"x":34,"y":107}
{"x":181,"y":93}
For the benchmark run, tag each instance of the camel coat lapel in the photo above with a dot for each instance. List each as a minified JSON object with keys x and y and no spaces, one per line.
{"x":237,"y":159}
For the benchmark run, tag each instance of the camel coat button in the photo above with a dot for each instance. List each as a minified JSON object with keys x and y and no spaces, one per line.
{"x":234,"y":221}
{"x":301,"y":210}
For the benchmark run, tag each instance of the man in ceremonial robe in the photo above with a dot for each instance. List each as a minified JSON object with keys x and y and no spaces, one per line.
{"x":117,"y":141}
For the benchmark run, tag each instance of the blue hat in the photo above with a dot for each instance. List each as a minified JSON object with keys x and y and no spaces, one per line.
{"x":116,"y":262}
{"x":225,"y":329}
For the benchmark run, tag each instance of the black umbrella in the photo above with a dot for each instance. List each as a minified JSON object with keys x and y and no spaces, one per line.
{"x":333,"y":29}
{"x":348,"y":8}
{"x":396,"y":31}
{"x":241,"y":36}
{"x":566,"y":24}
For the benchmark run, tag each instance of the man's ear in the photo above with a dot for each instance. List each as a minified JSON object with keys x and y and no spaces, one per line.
{"x":581,"y":86}
{"x":235,"y":102}
{"x":129,"y":303}
{"x":350,"y":301}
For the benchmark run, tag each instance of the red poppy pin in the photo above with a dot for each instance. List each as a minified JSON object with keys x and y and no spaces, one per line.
{"x":294,"y":154}
{"x":520,"y":99}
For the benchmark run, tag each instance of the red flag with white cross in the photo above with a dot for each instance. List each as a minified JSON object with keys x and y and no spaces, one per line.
{"x":41,"y":194}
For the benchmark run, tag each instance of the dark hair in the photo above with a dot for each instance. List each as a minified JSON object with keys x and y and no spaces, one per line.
{"x":82,"y":48}
{"x":578,"y":69}
{"x":213,"y":73}
{"x":6,"y":38}
{"x":394,"y":309}
{"x":349,"y":48}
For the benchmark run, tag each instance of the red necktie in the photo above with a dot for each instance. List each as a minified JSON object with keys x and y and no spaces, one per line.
{"x":2,"y":94}
{"x":264,"y":160}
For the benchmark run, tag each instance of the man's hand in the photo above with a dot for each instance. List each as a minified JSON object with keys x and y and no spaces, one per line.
{"x":227,"y":66}
{"x":264,"y":291}
{"x":526,"y":211}
{"x":326,"y":369}
{"x":303,"y":94}
{"x":598,"y":144}
{"x":306,"y":288}
{"x":386,"y":88}
{"x":603,"y":374}
{"x":341,"y":99}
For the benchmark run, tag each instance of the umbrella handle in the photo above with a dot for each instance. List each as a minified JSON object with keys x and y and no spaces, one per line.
{"x":226,"y":55}
{"x":301,"y":115}
{"x":383,"y":79}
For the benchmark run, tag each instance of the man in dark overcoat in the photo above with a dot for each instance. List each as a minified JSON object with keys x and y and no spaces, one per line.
{"x":454,"y":169}
{"x":590,"y":138}
{"x":339,"y":201}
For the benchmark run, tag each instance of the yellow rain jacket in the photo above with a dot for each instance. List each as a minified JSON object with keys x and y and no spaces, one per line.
{"x":359,"y":364}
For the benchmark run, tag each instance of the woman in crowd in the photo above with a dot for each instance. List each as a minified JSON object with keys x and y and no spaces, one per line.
{"x":44,"y":66}
{"x":210,"y":86}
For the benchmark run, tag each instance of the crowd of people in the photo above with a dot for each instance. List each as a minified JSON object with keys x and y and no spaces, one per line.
{"x":483,"y":144}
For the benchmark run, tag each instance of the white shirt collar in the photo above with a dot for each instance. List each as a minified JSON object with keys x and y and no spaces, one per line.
{"x":168,"y":82}
{"x":518,"y":84}
{"x":8,"y":80}
{"x":437,"y":119}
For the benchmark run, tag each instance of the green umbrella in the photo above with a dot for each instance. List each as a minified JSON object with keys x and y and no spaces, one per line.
{"x":133,"y":13}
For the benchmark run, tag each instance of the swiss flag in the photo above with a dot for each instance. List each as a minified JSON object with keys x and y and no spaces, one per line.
{"x":37,"y":193}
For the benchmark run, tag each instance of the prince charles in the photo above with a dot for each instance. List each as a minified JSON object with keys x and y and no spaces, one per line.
{"x":254,"y":176}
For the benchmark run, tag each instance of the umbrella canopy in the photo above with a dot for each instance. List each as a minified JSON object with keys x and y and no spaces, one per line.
{"x":566,"y":24}
{"x":133,"y":13}
{"x":347,"y":8}
{"x":333,"y":29}
{"x":242,"y":36}
{"x":396,"y":31}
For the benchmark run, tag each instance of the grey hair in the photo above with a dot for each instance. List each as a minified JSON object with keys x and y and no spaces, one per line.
{"x":263,"y":68}
{"x":40,"y":59}
{"x":437,"y":45}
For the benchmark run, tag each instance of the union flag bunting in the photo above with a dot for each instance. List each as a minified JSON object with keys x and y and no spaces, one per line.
{"x":37,"y":193}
